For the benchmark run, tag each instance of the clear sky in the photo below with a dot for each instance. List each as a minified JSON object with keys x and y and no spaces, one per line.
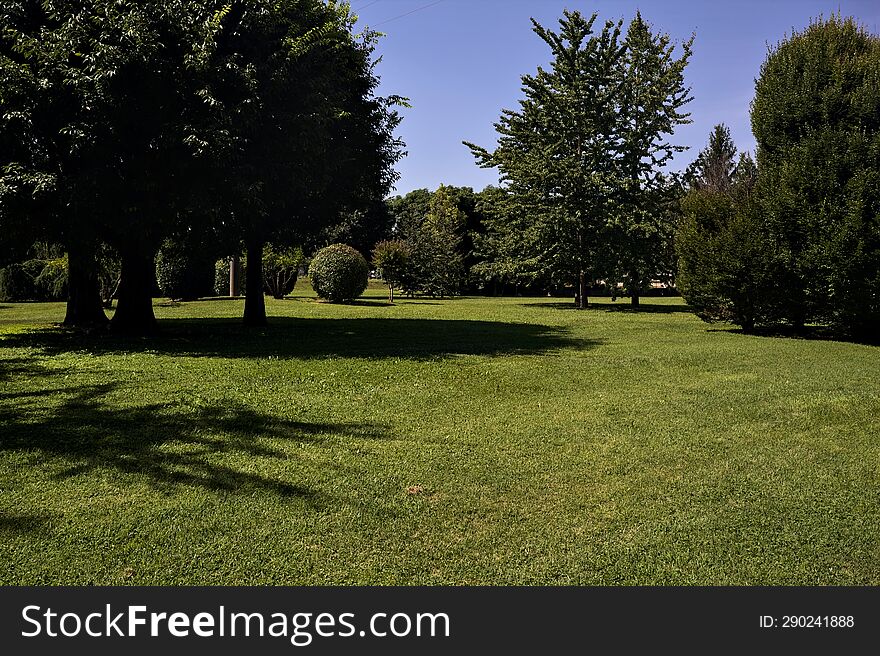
{"x":460,"y":61}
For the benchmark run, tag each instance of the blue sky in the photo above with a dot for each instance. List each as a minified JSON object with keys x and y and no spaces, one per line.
{"x":460,"y":61}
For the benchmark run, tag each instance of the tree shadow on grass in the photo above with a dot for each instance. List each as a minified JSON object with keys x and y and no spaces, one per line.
{"x":821,"y":333}
{"x":295,"y":338}
{"x":31,"y":367}
{"x":22,"y":523}
{"x":623,"y":306}
{"x":217,"y":447}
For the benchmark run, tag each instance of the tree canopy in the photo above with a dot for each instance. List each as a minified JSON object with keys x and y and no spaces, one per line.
{"x":583,"y":157}
{"x":816,"y":119}
{"x":126,"y":122}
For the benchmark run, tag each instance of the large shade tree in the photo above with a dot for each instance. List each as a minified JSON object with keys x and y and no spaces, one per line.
{"x":127,"y":122}
{"x":311,"y":137}
{"x":109,"y":125}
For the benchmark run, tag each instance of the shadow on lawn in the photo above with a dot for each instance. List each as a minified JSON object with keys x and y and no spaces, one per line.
{"x":823,"y":333}
{"x":164,"y":445}
{"x":17,"y":524}
{"x":622,"y":306}
{"x":296,"y":338}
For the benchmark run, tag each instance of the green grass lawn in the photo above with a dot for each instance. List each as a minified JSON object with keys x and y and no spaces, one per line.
{"x":466,"y":441}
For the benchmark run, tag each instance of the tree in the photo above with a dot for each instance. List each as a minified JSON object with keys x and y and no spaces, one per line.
{"x":727,"y":266}
{"x":281,"y":269}
{"x":552,"y":154}
{"x":103,"y":99}
{"x":583,"y":156}
{"x":648,"y":101}
{"x":714,"y":167}
{"x":816,"y":120}
{"x":127,"y":122}
{"x":311,"y":137}
{"x":436,"y":228}
{"x":501,"y":248}
{"x":46,"y":183}
{"x":391,"y":257}
{"x":440,"y":245}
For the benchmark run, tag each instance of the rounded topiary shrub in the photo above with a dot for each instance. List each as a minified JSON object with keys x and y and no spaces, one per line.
{"x":339,"y":273}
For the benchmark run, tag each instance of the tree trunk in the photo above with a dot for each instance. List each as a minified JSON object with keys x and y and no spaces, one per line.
{"x":391,"y":293}
{"x":233,"y":276}
{"x":254,"y":300}
{"x":134,"y":307}
{"x":84,"y":306}
{"x":582,"y":290}
{"x":634,"y":288}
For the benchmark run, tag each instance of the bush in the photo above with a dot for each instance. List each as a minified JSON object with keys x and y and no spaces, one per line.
{"x":339,"y":273}
{"x":51,"y":282}
{"x":280,"y":270}
{"x":35,"y":280}
{"x":183,"y":274}
{"x":727,"y":269}
{"x":17,"y":282}
{"x":391,"y":258}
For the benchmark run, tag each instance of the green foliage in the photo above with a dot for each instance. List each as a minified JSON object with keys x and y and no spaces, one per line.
{"x":649,"y":105}
{"x":221,"y":275}
{"x":391,"y":258}
{"x":339,"y":273}
{"x":42,"y":277}
{"x":816,"y":119}
{"x":409,"y":214}
{"x":436,"y":228}
{"x":182,"y":272}
{"x":504,"y":245}
{"x":727,"y":267}
{"x":714,"y":167}
{"x":280,"y":269}
{"x":583,"y":156}
{"x":129,"y":122}
{"x":439,"y":245}
{"x":17,"y":282}
{"x":314,"y":142}
{"x":52,"y":279}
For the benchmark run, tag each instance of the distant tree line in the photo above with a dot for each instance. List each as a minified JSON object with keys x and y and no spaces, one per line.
{"x":790,"y":239}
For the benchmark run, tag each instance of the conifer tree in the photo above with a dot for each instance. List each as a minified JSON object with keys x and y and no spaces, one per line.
{"x":715,"y":166}
{"x":583,"y":157}
{"x":553,"y":152}
{"x":651,"y":96}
